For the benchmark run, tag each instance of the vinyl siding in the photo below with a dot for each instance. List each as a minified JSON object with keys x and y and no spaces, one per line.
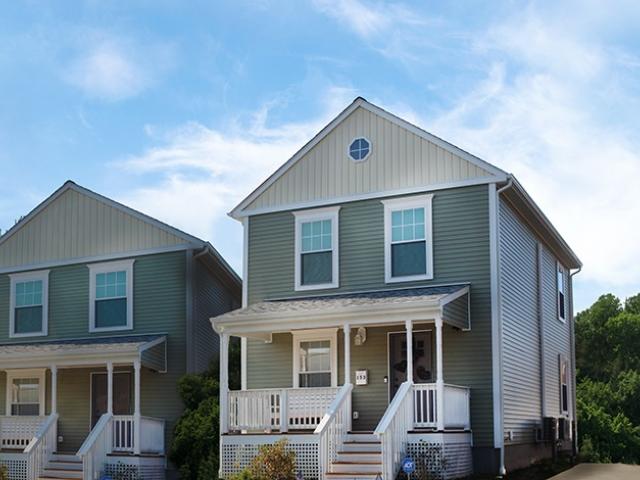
{"x":155,"y":358}
{"x":461,"y":254}
{"x":457,"y":312}
{"x":75,"y":225}
{"x":211,"y":298}
{"x":557,"y":335}
{"x":520,"y":327}
{"x":398,"y":159}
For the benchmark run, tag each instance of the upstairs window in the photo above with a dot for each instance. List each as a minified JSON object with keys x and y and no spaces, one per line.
{"x":564,"y":385}
{"x":111,"y":303}
{"x":408,"y":239}
{"x":316,"y":251}
{"x":29,"y":304}
{"x":561,"y":293}
{"x":359,"y":149}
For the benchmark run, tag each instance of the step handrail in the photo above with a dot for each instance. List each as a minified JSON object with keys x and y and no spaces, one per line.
{"x":42,"y":446}
{"x":96,"y":447}
{"x":393,"y":430}
{"x":334,"y":427}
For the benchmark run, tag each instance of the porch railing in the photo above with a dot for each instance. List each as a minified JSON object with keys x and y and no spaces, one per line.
{"x":42,"y":446}
{"x":17,"y":432}
{"x":123,"y":426}
{"x":334,"y":427}
{"x":393,"y":430}
{"x":151,"y":435}
{"x":278,"y":408}
{"x":96,"y":447}
{"x":124,"y":436}
{"x":456,"y":406}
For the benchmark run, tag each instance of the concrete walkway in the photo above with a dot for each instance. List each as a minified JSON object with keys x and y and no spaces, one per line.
{"x":594,"y":471}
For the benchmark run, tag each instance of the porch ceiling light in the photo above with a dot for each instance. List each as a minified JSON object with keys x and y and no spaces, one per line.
{"x":360,"y":337}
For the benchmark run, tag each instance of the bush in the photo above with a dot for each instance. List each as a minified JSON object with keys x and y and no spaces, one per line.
{"x":273,"y":462}
{"x":4,"y":474}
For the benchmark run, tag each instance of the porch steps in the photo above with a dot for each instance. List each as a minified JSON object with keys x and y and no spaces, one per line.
{"x":62,"y":467}
{"x":360,"y":458}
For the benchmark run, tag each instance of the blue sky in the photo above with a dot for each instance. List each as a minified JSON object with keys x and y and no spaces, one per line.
{"x":179,"y":109}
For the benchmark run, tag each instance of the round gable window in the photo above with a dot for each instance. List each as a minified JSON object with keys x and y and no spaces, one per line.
{"x":359,"y":149}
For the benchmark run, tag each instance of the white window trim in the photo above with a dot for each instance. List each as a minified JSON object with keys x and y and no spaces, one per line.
{"x":12,"y":375}
{"x":563,"y":360}
{"x":299,"y":336}
{"x":424,"y":201}
{"x":560,"y":267}
{"x":94,"y":269}
{"x":331,"y":213}
{"x":363,"y":158}
{"x":42,"y":275}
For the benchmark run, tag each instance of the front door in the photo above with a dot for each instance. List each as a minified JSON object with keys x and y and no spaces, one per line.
{"x":422,"y":360}
{"x":121,"y":395}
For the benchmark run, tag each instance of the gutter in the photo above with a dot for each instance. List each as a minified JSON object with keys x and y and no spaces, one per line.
{"x":502,"y":470}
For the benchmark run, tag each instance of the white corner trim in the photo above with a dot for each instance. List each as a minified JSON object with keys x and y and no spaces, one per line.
{"x":42,"y":275}
{"x":417,"y":201}
{"x":38,"y":373}
{"x":302,"y":216}
{"x":330,"y":334}
{"x":245,"y":300}
{"x":94,"y":269}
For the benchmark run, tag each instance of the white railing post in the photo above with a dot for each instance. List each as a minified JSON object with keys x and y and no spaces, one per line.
{"x":393,"y":430}
{"x":284,"y":411}
{"x":409,"y":327}
{"x":224,"y":383}
{"x":439,"y":375}
{"x":136,"y":410}
{"x":333,"y":428}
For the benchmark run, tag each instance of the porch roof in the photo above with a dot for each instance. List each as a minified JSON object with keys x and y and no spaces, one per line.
{"x":451,"y":302}
{"x":149,"y":349}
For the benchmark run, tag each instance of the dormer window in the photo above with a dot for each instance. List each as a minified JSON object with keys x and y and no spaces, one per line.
{"x":408,"y":239}
{"x":359,"y":149}
{"x":316,"y":249}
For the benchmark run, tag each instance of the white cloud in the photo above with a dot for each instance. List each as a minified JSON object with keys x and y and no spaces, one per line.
{"x":114,"y":69}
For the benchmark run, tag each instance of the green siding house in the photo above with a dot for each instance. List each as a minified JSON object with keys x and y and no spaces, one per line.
{"x":401,"y":297}
{"x":102,"y":310}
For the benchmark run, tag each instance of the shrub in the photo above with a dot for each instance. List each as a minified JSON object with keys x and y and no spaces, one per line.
{"x":4,"y":474}
{"x":273,"y":462}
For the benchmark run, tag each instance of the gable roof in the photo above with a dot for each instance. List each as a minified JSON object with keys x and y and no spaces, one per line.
{"x":76,"y":224}
{"x":484,"y":170}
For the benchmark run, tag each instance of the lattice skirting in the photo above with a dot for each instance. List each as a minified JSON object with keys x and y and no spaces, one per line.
{"x":236,"y":457}
{"x":17,"y":469}
{"x":123,"y":471}
{"x":441,"y":461}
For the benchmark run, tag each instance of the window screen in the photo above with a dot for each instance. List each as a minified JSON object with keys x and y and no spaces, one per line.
{"x":316,"y":252}
{"x":28,"y":307}
{"x":408,"y":244}
{"x":111,"y":299}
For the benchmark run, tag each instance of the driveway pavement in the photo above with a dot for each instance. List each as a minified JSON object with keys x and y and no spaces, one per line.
{"x":593,"y":471}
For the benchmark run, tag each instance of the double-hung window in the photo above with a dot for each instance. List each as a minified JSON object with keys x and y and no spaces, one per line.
{"x":561,"y":283}
{"x":315,"y":359}
{"x":408,"y":239}
{"x":316,"y":249}
{"x":564,"y":385}
{"x":25,"y":392}
{"x":111,"y":296}
{"x":29,"y":304}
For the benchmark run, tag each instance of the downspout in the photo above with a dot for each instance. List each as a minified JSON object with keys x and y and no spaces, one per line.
{"x":502,"y":470}
{"x":572,"y":328}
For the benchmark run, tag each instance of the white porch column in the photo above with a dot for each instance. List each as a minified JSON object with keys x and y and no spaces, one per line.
{"x":110,"y":387}
{"x":54,"y":389}
{"x":439,"y":375}
{"x":409,"y":328}
{"x":347,"y":353}
{"x":136,"y":408}
{"x":224,"y":382}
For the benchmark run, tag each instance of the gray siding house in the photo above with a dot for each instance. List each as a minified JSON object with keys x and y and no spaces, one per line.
{"x":401,"y":297}
{"x":102,"y":310}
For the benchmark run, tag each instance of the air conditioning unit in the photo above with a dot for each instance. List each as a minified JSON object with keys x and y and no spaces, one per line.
{"x":550,"y":429}
{"x":564,"y":429}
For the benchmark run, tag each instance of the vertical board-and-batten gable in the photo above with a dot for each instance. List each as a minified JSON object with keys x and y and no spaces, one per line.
{"x":75,"y":223}
{"x":403,"y":158}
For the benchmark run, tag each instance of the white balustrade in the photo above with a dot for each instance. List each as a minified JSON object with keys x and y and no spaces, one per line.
{"x":96,"y":447}
{"x":278,"y":408}
{"x":151,"y":435}
{"x":425,"y":405}
{"x":456,"y":406}
{"x":16,"y":432}
{"x":123,"y":433}
{"x":393,"y":430}
{"x":41,"y":447}
{"x":334,"y":427}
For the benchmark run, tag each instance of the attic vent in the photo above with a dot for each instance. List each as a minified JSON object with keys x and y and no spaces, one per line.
{"x":359,"y":149}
